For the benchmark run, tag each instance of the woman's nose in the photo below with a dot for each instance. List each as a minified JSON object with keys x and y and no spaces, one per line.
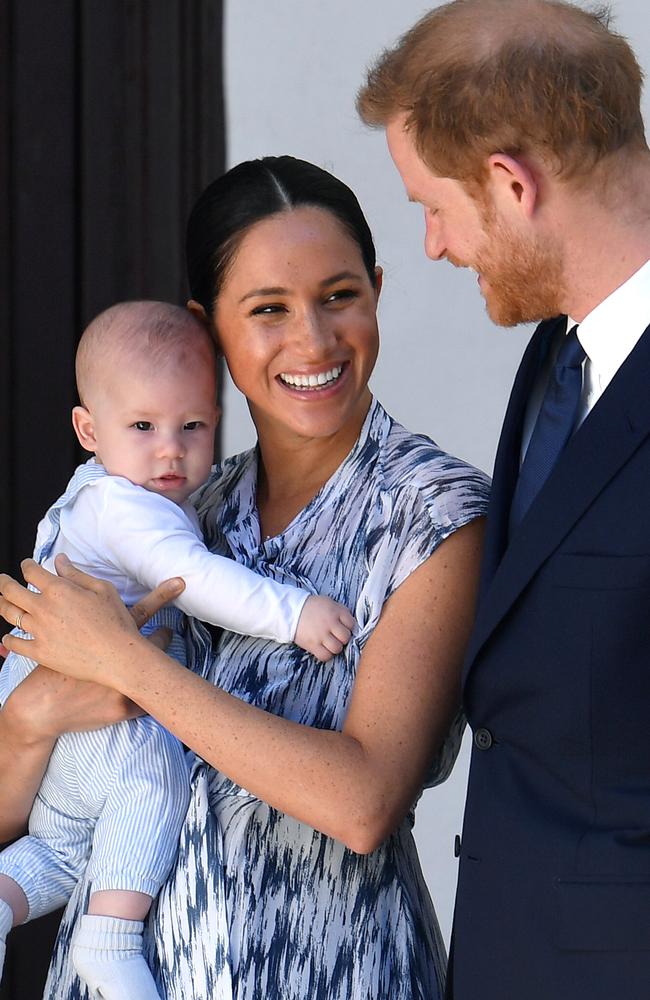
{"x":316,"y":332}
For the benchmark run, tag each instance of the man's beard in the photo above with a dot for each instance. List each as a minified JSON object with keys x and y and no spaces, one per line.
{"x":523,"y":278}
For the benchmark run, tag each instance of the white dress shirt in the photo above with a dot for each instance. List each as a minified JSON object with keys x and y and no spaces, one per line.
{"x":608,"y":335}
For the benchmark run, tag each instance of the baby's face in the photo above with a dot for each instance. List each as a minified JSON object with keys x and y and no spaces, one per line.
{"x":157,"y":428}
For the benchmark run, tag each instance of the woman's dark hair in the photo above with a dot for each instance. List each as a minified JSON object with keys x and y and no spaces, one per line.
{"x":250,"y":192}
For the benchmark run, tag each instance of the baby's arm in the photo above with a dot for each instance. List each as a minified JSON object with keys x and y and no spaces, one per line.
{"x":151,"y":539}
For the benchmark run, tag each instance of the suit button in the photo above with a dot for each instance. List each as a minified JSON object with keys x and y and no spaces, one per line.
{"x":456,"y":846}
{"x":483,"y":739}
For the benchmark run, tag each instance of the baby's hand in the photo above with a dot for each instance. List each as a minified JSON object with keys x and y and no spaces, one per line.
{"x":324,"y":627}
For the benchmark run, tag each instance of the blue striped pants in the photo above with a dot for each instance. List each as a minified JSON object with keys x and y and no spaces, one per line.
{"x":113,"y":799}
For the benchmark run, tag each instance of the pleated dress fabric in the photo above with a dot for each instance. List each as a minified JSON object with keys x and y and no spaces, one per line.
{"x":261,"y":906}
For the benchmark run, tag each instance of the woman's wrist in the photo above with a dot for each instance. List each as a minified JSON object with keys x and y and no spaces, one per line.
{"x":135,"y":668}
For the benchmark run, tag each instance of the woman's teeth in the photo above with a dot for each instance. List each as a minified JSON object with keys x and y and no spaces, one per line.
{"x":312,"y":381}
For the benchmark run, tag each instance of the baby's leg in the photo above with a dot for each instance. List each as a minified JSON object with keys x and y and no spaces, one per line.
{"x":13,"y":910}
{"x":135,"y":842}
{"x":107,"y":953}
{"x":34,"y":879}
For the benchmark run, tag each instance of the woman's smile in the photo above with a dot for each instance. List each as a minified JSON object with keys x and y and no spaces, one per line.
{"x":310,"y":382}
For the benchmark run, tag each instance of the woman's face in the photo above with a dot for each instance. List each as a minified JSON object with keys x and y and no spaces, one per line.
{"x":296,"y":321}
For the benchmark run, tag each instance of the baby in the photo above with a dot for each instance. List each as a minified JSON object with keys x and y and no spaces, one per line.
{"x":115,"y":799}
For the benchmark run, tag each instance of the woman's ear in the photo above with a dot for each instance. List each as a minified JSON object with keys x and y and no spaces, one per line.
{"x":84,"y":428}
{"x":379,"y":281}
{"x":197,"y":310}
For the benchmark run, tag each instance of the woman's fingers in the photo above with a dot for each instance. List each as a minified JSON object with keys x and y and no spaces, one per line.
{"x":66,"y":571}
{"x":14,"y":599}
{"x":165,"y":592}
{"x":13,"y":644}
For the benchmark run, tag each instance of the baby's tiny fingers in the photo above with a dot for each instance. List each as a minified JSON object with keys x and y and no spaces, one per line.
{"x":333,"y":644}
{"x":342,"y":632}
{"x":347,"y":619}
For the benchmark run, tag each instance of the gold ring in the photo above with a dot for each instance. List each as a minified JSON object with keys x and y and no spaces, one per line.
{"x":19,"y":618}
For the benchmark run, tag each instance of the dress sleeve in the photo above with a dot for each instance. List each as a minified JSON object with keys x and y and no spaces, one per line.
{"x":426,"y":514}
{"x":151,"y":539}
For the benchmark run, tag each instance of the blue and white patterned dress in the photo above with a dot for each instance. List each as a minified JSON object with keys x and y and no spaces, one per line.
{"x":261,"y":906}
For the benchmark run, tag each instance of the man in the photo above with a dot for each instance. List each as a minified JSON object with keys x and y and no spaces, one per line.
{"x":516,"y":124}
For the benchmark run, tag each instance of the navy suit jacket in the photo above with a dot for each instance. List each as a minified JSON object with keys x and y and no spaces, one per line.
{"x":554,"y":885}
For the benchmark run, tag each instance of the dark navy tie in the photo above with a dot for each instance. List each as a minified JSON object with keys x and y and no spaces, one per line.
{"x":553,"y":427}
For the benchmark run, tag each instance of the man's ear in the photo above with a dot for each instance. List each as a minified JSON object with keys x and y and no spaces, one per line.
{"x":514,"y":184}
{"x":84,"y":428}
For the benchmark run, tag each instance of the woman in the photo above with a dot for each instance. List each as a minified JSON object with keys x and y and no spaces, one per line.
{"x":297,"y":874}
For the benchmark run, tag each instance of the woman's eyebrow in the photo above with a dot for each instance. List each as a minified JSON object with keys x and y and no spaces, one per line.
{"x":276,"y":290}
{"x":279,"y":290}
{"x":341,"y":276}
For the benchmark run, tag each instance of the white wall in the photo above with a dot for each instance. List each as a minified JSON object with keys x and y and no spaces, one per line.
{"x":292,"y":72}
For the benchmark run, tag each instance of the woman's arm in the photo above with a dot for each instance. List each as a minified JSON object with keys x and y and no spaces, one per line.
{"x":45,"y":705}
{"x":355,"y":785}
{"x":24,"y":754}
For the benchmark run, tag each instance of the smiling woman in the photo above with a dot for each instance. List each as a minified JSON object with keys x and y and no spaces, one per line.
{"x":297,"y":874}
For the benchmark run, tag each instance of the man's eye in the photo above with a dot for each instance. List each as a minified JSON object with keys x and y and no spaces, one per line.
{"x":143,"y":425}
{"x":192,"y":425}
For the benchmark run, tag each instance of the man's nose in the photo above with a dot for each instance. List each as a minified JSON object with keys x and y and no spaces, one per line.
{"x":434,"y":244}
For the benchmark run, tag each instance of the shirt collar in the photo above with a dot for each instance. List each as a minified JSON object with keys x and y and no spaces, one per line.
{"x":611,"y":330}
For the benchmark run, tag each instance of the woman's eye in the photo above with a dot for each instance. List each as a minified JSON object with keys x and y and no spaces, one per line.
{"x":342,"y":295}
{"x":143,"y":425}
{"x":267,"y":310}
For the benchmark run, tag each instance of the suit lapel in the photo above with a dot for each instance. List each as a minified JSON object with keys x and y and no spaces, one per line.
{"x":506,"y":464}
{"x":602,"y":445}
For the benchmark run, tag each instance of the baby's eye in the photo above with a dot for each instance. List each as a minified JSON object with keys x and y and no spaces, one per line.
{"x":143,"y":425}
{"x":192,"y":425}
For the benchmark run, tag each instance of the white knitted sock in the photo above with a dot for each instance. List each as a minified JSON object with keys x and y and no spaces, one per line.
{"x":6,"y":923}
{"x":107,"y":955}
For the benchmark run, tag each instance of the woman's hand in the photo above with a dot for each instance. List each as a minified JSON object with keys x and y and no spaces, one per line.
{"x":47,"y":704}
{"x":79,"y":624}
{"x":72,"y":615}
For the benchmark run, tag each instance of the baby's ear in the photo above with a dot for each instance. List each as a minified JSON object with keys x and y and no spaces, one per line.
{"x":84,"y":428}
